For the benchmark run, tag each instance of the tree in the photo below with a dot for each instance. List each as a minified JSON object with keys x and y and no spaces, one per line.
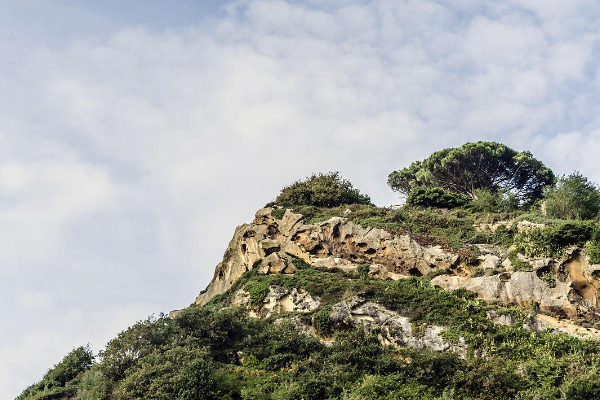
{"x":574,"y":197}
{"x":321,"y":190}
{"x":482,"y":165}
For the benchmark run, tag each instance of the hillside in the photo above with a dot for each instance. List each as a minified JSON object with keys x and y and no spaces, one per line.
{"x":326,"y":296}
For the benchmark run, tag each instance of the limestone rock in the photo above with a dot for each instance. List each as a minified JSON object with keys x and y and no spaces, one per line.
{"x":278,"y":300}
{"x":269,"y":244}
{"x":393,"y":328}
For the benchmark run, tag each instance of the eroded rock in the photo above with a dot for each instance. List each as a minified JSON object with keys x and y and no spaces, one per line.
{"x":269,"y":244}
{"x":393,"y":328}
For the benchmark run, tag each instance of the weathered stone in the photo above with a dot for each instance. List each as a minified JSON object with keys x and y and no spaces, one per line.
{"x":393,"y":328}
{"x":489,"y":261}
{"x":267,"y":244}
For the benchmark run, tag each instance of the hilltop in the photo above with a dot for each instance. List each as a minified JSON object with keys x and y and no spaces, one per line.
{"x":487,"y":290}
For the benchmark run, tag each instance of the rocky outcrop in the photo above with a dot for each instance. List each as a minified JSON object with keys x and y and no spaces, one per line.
{"x":541,"y":323}
{"x":278,"y":300}
{"x":392,"y":327}
{"x":270,"y":244}
{"x":569,"y":287}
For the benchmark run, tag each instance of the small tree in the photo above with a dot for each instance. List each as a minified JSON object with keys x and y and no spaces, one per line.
{"x":574,"y":197}
{"x":483,"y":165}
{"x":321,"y":190}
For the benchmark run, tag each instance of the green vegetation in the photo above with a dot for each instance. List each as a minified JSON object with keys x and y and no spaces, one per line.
{"x":456,"y":197}
{"x":63,"y":379}
{"x":321,"y":190}
{"x":435,"y":197}
{"x":483,"y":165}
{"x":218,"y":352}
{"x":574,"y":197}
{"x":552,"y":241}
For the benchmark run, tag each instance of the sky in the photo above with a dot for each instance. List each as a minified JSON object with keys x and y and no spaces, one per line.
{"x":135,"y":136}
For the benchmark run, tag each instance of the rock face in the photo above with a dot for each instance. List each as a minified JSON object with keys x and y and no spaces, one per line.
{"x":569,"y":287}
{"x":279,"y":300}
{"x":269,"y":244}
{"x":393,"y":328}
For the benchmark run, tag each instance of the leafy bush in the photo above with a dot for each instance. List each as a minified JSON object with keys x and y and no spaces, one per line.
{"x":493,"y":202}
{"x":551,"y":241}
{"x":321,"y":190}
{"x":94,"y":386}
{"x":435,"y":197}
{"x":59,"y":381}
{"x":574,"y":197}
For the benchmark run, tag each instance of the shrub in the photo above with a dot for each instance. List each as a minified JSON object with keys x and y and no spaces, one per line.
{"x":550,"y":241}
{"x":435,"y":197}
{"x":94,"y":386}
{"x":321,"y":190}
{"x":321,"y":320}
{"x":493,"y":202}
{"x":574,"y":197}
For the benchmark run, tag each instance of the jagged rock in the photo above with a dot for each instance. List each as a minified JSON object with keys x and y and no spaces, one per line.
{"x":268,"y":244}
{"x":278,"y":300}
{"x":381,"y":272}
{"x":393,"y":328}
{"x":489,"y":261}
{"x":521,"y":288}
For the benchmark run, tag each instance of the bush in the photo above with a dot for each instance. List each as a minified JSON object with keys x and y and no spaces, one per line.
{"x":94,"y":386}
{"x":574,"y":197}
{"x":493,"y":202}
{"x":550,"y":241}
{"x":435,"y":197}
{"x":321,"y":190}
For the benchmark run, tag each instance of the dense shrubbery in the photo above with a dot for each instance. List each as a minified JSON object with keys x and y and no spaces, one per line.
{"x":552,"y":240}
{"x":435,"y":197}
{"x":61,"y":380}
{"x":321,"y":190}
{"x":574,"y":197}
{"x":219,"y":353}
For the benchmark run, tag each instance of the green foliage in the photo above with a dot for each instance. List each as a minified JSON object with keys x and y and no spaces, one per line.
{"x":435,"y":197}
{"x":482,"y":165}
{"x":553,"y":240}
{"x":258,"y":290}
{"x":584,"y":388}
{"x":321,"y":190}
{"x":278,"y":213}
{"x":94,"y":386}
{"x":574,"y":197}
{"x":517,"y":263}
{"x":322,"y":322}
{"x":493,"y":202}
{"x":592,"y":249}
{"x":220,"y":353}
{"x":363,"y":270}
{"x":60,"y":380}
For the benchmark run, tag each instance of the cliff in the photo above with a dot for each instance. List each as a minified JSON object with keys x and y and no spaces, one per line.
{"x":566,"y":288}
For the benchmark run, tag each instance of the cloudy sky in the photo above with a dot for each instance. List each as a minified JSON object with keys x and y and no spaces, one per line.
{"x":135,"y":136}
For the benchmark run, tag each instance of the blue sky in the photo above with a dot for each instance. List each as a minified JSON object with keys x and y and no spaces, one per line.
{"x":136,"y":135}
